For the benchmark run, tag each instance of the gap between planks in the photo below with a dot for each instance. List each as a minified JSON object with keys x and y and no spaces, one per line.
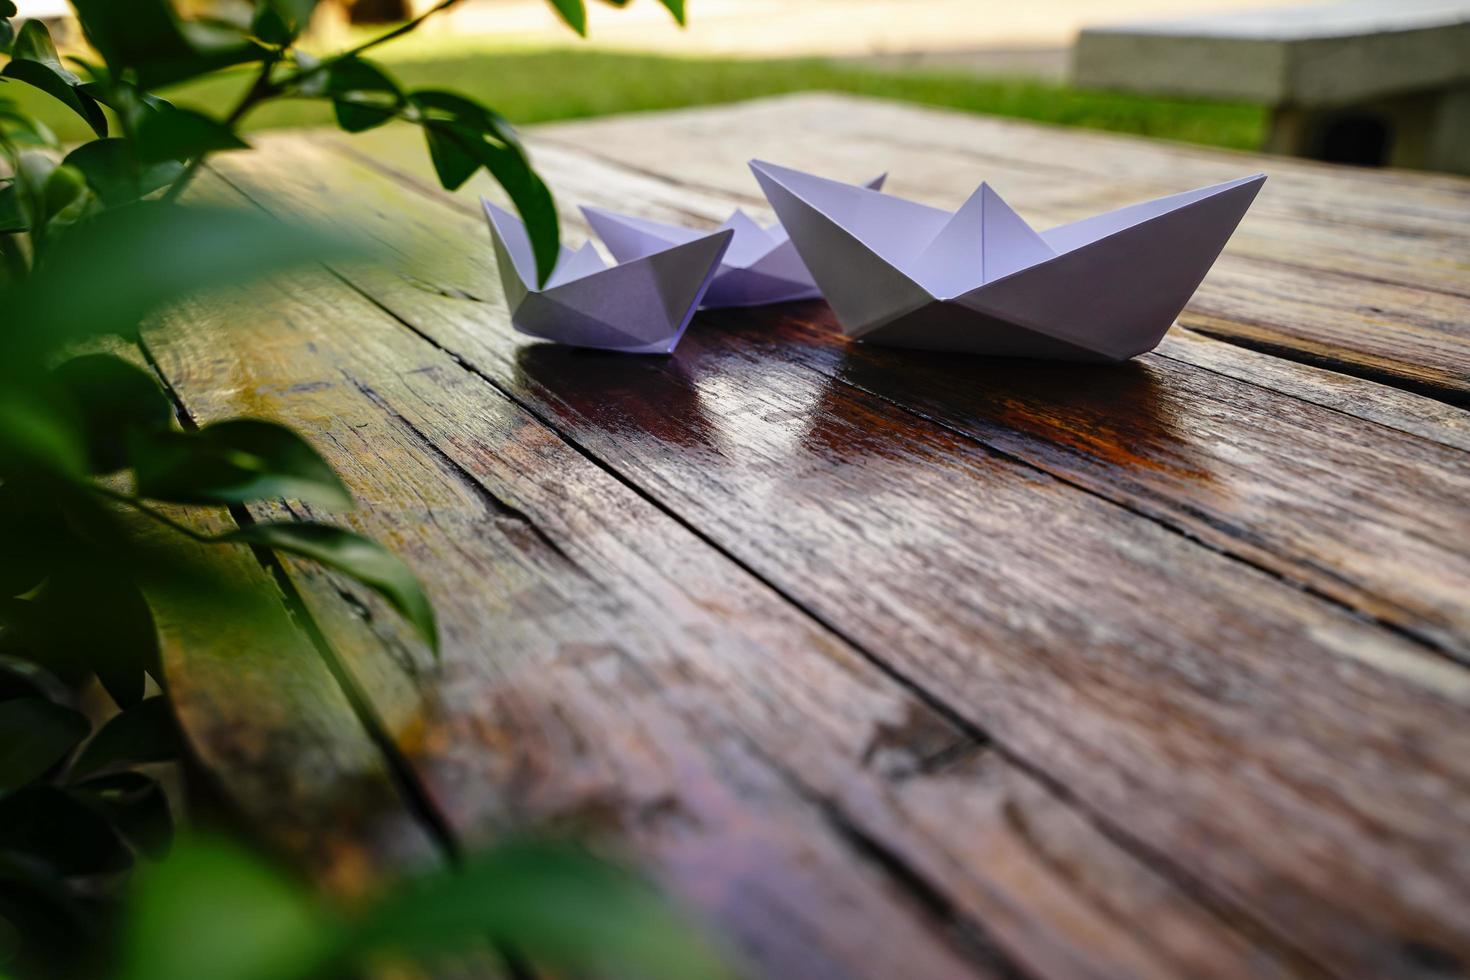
{"x":1424,"y":637}
{"x":456,"y":356}
{"x":463,"y":366}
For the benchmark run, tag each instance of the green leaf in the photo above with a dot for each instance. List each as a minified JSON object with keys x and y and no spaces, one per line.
{"x":463,"y":136}
{"x":35,"y":735}
{"x":137,"y":259}
{"x":454,"y":158}
{"x":234,"y":462}
{"x":675,"y":7}
{"x":114,"y":173}
{"x":38,"y":436}
{"x":136,"y":806}
{"x":96,"y":618}
{"x":33,"y":531}
{"x":114,"y":400}
{"x":7,"y":36}
{"x":448,"y":107}
{"x":574,"y":13}
{"x":142,"y":733}
{"x":280,"y":21}
{"x":12,"y":215}
{"x":55,"y":85}
{"x":363,"y":95}
{"x":532,"y":198}
{"x":23,"y":679}
{"x":21,"y":128}
{"x":213,"y":910}
{"x":34,"y":43}
{"x":51,"y":824}
{"x":34,"y":61}
{"x":360,"y":557}
{"x":182,"y":134}
{"x":554,"y":904}
{"x":8,"y":8}
{"x":130,"y":102}
{"x":52,"y":923}
{"x":63,"y":187}
{"x":146,"y":37}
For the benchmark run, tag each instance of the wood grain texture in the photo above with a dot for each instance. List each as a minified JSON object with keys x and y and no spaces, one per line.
{"x":265,"y":718}
{"x":1346,"y":508}
{"x":1279,"y":753}
{"x":607,"y":668}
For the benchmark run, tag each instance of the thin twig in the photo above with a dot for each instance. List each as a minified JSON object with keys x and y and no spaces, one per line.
{"x":259,"y":90}
{"x":398,"y":31}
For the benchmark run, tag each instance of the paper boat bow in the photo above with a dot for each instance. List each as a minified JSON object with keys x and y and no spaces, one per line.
{"x":639,"y":307}
{"x":760,"y":267}
{"x":982,"y":281}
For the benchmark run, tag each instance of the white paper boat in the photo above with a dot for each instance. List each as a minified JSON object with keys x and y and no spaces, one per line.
{"x":982,"y":281}
{"x":639,"y":307}
{"x":761,"y":266}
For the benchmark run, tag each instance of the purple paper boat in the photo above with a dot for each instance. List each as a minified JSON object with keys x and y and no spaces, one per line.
{"x":761,"y":266}
{"x":981,"y":281}
{"x":638,"y":307}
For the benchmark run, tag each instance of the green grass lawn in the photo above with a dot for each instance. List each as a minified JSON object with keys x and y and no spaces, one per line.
{"x":530,"y":86}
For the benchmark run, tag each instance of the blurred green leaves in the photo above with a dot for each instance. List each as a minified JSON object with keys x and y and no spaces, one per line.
{"x":92,"y":245}
{"x":113,"y":402}
{"x":574,"y":12}
{"x":139,"y":259}
{"x":362,"y":558}
{"x":363,"y":94}
{"x":464,"y":136}
{"x":34,"y":61}
{"x":7,"y":31}
{"x":171,"y":133}
{"x":35,"y":735}
{"x":235,"y":462}
{"x":140,"y":734}
{"x":147,"y":40}
{"x":215,"y":910}
{"x":555,"y":904}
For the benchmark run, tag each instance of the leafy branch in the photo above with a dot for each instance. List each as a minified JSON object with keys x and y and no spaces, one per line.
{"x":93,"y":243}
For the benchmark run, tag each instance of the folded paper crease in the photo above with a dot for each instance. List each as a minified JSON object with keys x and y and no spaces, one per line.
{"x":638,"y":306}
{"x":981,"y":280}
{"x":761,"y":266}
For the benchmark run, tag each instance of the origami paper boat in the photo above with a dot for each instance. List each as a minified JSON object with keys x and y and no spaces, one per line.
{"x":639,"y":307}
{"x":761,"y":266}
{"x":982,"y":281}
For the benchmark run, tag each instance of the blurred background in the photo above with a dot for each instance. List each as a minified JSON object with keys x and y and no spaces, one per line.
{"x":1370,"y":82}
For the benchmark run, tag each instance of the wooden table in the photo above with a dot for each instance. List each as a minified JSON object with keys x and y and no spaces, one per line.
{"x":887,"y":664}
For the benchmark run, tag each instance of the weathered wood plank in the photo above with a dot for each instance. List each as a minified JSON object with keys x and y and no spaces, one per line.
{"x":1146,"y":674}
{"x":260,"y":711}
{"x":1348,"y":509}
{"x":604,"y":666}
{"x":265,"y":718}
{"x":509,"y":734}
{"x":1318,"y":260}
{"x":1385,"y":405}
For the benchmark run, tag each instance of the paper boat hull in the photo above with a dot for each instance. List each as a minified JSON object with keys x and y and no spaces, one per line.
{"x":639,"y":307}
{"x":1111,"y":293}
{"x":948,"y":326}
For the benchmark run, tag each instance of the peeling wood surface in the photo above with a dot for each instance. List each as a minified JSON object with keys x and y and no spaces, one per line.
{"x":893,"y":664}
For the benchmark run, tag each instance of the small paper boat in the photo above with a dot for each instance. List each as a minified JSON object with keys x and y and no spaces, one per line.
{"x":982,"y":281}
{"x":639,"y":307}
{"x":761,"y":266}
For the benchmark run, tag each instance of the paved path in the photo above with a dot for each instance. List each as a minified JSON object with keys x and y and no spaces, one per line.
{"x":823,"y":27}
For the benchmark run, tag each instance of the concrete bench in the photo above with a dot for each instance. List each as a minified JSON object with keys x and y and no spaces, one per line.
{"x":1383,"y":82}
